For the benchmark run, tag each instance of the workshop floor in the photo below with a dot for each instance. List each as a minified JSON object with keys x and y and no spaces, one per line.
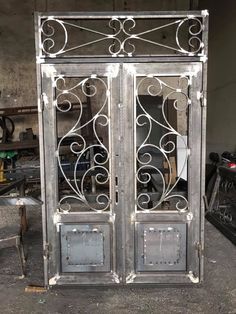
{"x":216,"y":295}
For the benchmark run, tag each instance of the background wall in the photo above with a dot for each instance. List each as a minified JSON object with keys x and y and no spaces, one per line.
{"x":221,"y":122}
{"x":17,"y":56}
{"x":17,"y":52}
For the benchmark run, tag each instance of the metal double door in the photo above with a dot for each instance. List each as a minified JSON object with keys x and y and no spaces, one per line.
{"x":121,"y":167}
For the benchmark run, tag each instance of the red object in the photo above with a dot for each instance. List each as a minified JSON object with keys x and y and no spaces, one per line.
{"x":232,"y":165}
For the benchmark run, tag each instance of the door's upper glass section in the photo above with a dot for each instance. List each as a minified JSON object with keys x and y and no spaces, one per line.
{"x":161,"y":132}
{"x":82,"y":106}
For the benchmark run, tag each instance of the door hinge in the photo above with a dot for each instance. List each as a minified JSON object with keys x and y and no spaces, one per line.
{"x":46,"y":251}
{"x":199,"y":249}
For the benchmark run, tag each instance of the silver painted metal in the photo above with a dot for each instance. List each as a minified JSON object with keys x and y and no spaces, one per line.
{"x":41,"y":148}
{"x":203,"y":139}
{"x":93,"y":240}
{"x":124,"y":214}
{"x":121,"y":33}
{"x":80,"y":147}
{"x":153,"y":242}
{"x":157,"y":84}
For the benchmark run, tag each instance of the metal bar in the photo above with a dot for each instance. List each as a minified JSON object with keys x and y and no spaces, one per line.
{"x":19,"y":145}
{"x":120,"y":59}
{"x":203,"y":137}
{"x":115,"y":183}
{"x":91,"y":279}
{"x":194,"y":171}
{"x":160,"y":216}
{"x":82,"y":217}
{"x":41,"y":143}
{"x":124,"y":14}
{"x":51,"y":167}
{"x":214,"y":193}
{"x":162,"y":279}
{"x":128,"y":177}
{"x":15,"y":111}
{"x":9,"y":186}
{"x":106,"y":59}
{"x":17,"y":201}
{"x":144,"y":279}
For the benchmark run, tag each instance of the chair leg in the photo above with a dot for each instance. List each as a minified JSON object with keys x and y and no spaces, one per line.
{"x":24,"y":222}
{"x":21,"y":254}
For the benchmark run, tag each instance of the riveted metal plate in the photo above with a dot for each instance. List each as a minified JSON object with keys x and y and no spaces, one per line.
{"x":161,"y":247}
{"x":85,"y":247}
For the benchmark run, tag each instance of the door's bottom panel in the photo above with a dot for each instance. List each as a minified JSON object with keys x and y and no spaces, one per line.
{"x":160,"y":247}
{"x":85,"y":248}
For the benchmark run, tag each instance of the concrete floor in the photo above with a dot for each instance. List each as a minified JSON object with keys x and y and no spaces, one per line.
{"x":216,"y":295}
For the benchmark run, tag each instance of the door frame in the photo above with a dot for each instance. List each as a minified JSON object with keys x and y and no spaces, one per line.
{"x":185,"y":57}
{"x":123,"y":221}
{"x":57,"y":220}
{"x":191,"y":218}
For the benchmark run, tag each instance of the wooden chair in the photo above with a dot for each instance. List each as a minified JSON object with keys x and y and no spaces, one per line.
{"x":11,"y":231}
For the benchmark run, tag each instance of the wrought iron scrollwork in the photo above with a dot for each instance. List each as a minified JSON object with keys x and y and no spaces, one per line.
{"x":79,"y":146}
{"x":144,"y":153}
{"x":122,"y":36}
{"x":224,"y":203}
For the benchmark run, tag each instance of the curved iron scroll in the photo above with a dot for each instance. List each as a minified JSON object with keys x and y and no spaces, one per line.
{"x":79,"y":146}
{"x":122,"y":37}
{"x":145,"y":165}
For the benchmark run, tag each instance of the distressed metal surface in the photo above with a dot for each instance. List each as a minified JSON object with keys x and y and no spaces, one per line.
{"x":126,"y":174}
{"x":96,"y":90}
{"x":221,"y":211}
{"x":193,"y":71}
{"x":14,"y":201}
{"x":161,"y":247}
{"x":85,"y":248}
{"x":121,"y":35}
{"x":153,"y":149}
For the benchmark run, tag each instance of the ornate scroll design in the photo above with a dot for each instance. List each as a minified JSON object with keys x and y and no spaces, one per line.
{"x":79,"y":147}
{"x":224,"y":203}
{"x":122,"y":36}
{"x":144,"y":153}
